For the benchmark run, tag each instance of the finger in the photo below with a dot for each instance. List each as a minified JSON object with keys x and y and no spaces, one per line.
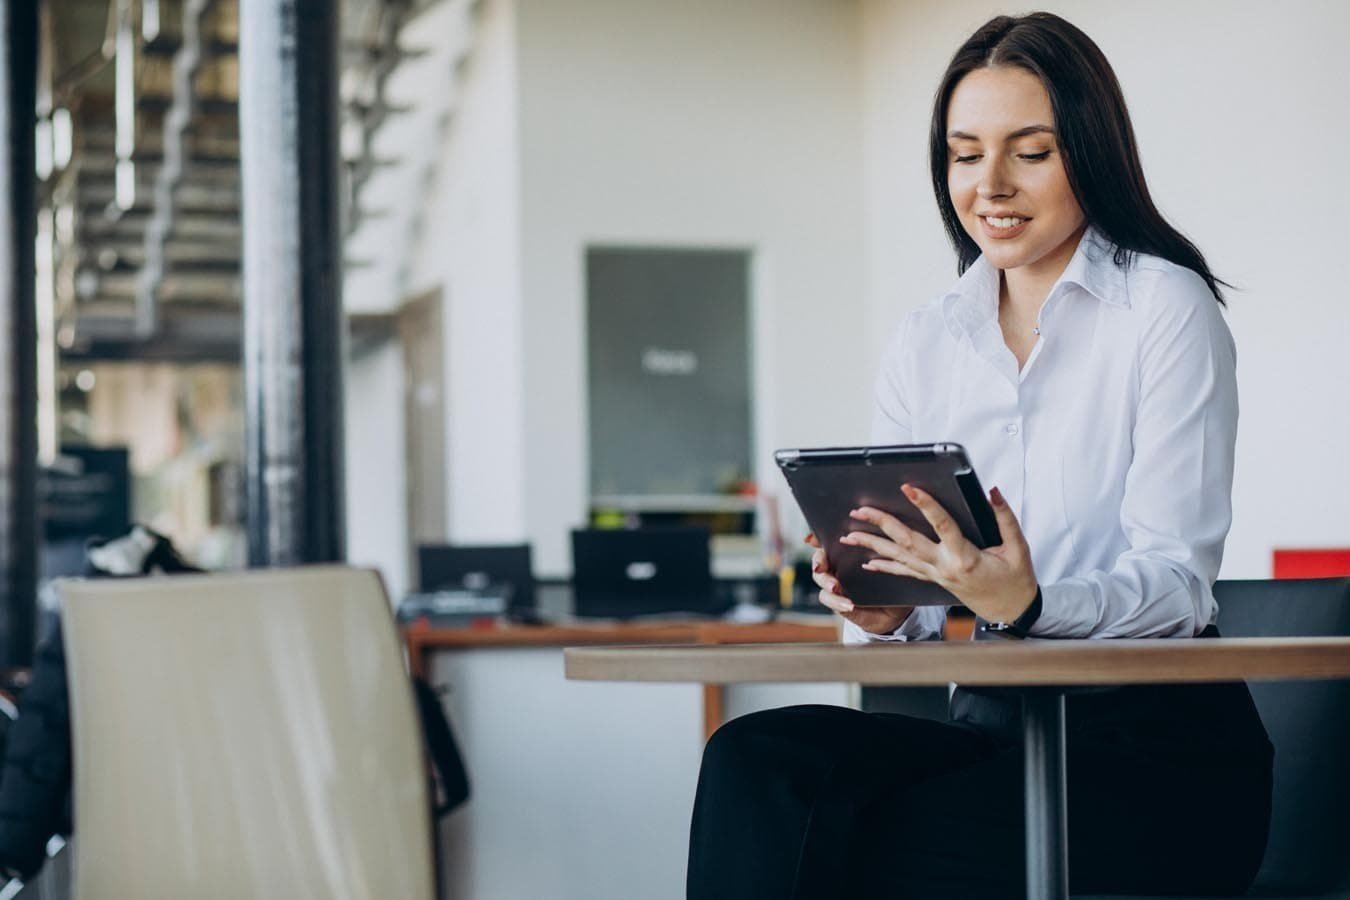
{"x":811,"y":539}
{"x":874,"y":542}
{"x":942,"y":523}
{"x":1008,"y":526}
{"x":903,"y":536}
{"x":825,"y":581}
{"x":895,"y":567}
{"x":954,"y":543}
{"x":889,"y":550}
{"x":841,"y":605}
{"x":818,"y":561}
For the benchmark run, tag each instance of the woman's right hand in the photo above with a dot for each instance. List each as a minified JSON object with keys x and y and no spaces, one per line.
{"x":873,"y":619}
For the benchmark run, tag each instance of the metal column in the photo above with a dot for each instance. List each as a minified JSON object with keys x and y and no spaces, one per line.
{"x":18,"y":332}
{"x":1047,"y":813}
{"x":293,"y":357}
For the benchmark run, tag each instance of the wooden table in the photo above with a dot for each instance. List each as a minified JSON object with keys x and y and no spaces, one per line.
{"x":1042,"y":671}
{"x":423,"y":640}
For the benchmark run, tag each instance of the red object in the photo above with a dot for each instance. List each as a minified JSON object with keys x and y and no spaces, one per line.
{"x":1328,"y":563}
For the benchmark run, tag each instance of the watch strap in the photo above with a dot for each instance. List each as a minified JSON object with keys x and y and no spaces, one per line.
{"x":1021,"y":626}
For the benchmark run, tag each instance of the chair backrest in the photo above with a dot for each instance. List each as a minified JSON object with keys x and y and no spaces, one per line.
{"x":244,"y":735}
{"x":1309,"y":724}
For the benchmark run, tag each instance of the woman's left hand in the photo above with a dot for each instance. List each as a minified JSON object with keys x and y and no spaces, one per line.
{"x":998,"y":583}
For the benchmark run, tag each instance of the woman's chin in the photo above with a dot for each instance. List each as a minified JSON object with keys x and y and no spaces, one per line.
{"x":1002,"y":256}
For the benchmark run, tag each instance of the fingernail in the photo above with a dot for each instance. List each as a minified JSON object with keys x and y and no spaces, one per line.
{"x":847,"y":605}
{"x":997,"y":496}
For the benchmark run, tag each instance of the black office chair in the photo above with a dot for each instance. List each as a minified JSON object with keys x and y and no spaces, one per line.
{"x":1308,"y":853}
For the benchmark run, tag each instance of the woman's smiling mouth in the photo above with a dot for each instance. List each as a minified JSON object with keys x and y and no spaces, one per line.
{"x":1003,"y":227}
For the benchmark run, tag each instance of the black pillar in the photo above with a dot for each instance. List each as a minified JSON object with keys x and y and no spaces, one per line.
{"x":18,"y":332}
{"x":293,"y":356}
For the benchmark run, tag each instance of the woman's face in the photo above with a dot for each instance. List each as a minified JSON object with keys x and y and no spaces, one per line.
{"x":1006,"y":174}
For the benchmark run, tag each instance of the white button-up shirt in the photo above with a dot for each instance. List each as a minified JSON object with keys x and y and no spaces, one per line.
{"x":1113,"y":444}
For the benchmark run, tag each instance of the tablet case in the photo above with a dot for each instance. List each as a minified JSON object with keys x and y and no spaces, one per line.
{"x":830,"y":482}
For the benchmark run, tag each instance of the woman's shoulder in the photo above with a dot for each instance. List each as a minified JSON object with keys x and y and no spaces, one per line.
{"x":1159,"y":288}
{"x":1173,"y":300}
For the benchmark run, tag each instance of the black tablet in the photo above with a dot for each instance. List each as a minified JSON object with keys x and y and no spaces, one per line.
{"x":830,"y":482}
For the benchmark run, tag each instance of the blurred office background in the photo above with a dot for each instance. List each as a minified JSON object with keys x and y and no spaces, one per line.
{"x":602,"y":257}
{"x":498,"y":156}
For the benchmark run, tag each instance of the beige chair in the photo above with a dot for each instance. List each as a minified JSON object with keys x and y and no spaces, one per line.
{"x":245,"y":736}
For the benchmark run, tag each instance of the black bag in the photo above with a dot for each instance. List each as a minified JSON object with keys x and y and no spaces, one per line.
{"x":453,"y":787}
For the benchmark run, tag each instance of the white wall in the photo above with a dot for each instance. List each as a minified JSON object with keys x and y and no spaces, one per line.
{"x":1239,"y":110}
{"x":702,"y":124}
{"x":470,"y":248}
{"x":377,"y":509}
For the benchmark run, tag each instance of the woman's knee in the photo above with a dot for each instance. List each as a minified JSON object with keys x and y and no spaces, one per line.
{"x":759,"y":737}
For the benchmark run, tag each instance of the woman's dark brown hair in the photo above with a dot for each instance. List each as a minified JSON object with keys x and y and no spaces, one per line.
{"x":1094,"y":131}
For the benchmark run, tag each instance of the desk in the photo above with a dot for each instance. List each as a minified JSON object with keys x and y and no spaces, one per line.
{"x":1042,"y":670}
{"x":423,"y":640}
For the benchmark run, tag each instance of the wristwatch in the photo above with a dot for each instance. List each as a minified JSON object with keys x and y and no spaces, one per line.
{"x":1020,"y":627}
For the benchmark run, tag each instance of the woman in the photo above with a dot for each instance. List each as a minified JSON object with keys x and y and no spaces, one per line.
{"x":1083,"y":360}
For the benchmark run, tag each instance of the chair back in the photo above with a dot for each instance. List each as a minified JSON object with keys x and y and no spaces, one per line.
{"x":245,"y":735}
{"x":1309,"y":724}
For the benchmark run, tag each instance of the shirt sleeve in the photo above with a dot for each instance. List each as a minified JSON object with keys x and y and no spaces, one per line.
{"x":1177,"y":502}
{"x":891,"y":425}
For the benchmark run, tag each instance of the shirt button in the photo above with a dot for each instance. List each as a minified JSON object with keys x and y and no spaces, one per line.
{"x":1010,"y":429}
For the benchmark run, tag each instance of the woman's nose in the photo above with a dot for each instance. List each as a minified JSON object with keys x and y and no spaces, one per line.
{"x":994,"y":182}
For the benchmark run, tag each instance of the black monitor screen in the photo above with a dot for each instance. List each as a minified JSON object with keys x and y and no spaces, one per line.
{"x":445,"y":567}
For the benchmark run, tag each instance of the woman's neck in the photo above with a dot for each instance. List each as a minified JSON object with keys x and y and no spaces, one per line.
{"x":1023,"y":290}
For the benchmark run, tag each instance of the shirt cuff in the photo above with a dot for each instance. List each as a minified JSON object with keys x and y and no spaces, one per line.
{"x":914,"y":628}
{"x":1067,"y":611}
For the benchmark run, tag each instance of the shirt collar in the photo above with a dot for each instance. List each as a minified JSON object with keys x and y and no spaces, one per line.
{"x":973,"y":300}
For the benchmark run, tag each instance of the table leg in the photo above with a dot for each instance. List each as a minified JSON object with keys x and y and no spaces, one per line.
{"x":714,"y":709}
{"x":1046,"y":794}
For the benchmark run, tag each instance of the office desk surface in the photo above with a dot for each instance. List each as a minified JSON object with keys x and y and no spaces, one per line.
{"x":420,"y":639}
{"x":988,"y":663}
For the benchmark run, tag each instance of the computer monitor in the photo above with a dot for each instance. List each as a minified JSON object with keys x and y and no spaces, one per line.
{"x":620,"y":574}
{"x":459,"y":567}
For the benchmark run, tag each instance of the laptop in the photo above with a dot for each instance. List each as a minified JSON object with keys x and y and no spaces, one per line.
{"x":621,"y":574}
{"x":444,"y":567}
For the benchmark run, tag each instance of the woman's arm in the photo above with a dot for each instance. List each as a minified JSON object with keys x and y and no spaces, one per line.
{"x":1177,"y":504}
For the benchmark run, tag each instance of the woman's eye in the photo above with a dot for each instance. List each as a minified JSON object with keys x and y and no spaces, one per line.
{"x":1036,"y":157}
{"x":967,"y":159}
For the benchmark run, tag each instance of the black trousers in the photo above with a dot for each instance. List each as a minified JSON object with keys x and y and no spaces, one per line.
{"x":1169,"y":791}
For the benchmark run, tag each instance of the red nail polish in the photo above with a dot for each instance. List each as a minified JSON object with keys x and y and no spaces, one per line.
{"x":997,"y":497}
